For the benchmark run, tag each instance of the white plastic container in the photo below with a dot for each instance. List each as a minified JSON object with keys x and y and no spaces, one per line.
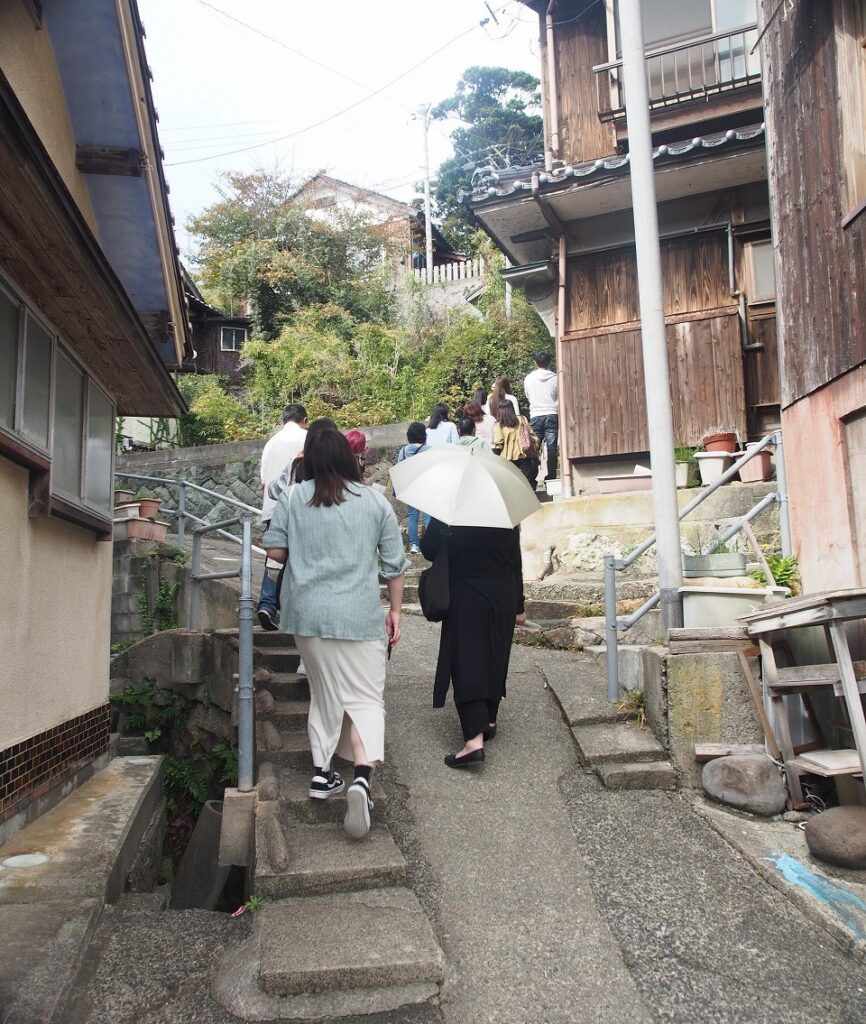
{"x":723,"y":606}
{"x":712,"y":465}
{"x":553,"y":487}
{"x":624,"y":482}
{"x":128,"y":511}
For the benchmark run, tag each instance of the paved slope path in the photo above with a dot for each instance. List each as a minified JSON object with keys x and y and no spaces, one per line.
{"x":512,"y":901}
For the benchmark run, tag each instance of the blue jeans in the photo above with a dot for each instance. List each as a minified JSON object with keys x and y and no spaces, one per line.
{"x":269,"y":596}
{"x":546,"y":429}
{"x":412,"y":525}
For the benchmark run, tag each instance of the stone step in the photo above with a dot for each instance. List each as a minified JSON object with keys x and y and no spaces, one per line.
{"x":288,"y":715}
{"x":616,"y":741}
{"x":289,"y":786}
{"x":580,"y":687}
{"x":372,"y":939}
{"x":311,"y":860}
{"x":282,"y":748}
{"x":283,"y":685}
{"x":277,"y":659}
{"x":637,"y":775}
{"x":261,"y":637}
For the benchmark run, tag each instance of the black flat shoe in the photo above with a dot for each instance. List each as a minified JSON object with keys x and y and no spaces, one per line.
{"x":488,"y":734}
{"x":466,"y":760}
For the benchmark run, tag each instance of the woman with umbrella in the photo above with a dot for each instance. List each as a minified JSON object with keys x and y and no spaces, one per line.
{"x":483,"y":498}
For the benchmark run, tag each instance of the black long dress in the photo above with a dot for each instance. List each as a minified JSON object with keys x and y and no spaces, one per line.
{"x":486,"y":593}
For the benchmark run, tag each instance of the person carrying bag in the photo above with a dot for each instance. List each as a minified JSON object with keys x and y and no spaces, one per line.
{"x":514,"y":440}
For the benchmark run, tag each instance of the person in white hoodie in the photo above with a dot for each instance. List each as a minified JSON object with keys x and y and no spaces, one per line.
{"x":541,"y":391}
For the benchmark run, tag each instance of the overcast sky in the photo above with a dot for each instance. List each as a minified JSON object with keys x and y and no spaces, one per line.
{"x":221,"y":86}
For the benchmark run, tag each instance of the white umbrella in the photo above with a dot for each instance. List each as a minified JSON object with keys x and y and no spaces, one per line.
{"x":465,"y":486}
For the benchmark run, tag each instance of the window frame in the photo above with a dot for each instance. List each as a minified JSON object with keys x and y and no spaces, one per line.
{"x":850,"y":31}
{"x":752,"y":296}
{"x":20,"y":448}
{"x":226,"y":327}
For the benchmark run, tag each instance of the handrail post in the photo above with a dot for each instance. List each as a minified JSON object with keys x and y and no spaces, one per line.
{"x":195,"y":589}
{"x":181,"y":512}
{"x":246,"y":689}
{"x":782,"y":488}
{"x":610,"y":628}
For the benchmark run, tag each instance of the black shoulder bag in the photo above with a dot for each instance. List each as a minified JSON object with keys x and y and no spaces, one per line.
{"x":434,"y":591}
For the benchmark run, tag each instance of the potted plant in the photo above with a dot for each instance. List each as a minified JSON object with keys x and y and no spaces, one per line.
{"x":145,"y":529}
{"x":720,"y":439}
{"x":122,"y":496}
{"x":721,"y":562}
{"x":683,"y":456}
{"x":758,"y":468}
{"x":149,"y":507}
{"x":128,"y":510}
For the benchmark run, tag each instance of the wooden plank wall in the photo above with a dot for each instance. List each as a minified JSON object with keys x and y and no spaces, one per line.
{"x":762,"y":367}
{"x":602,"y":288}
{"x":580,"y":43}
{"x":821,"y":296}
{"x":605,"y":390}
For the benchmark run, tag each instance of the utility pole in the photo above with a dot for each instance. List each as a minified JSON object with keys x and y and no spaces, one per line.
{"x":652,"y":320}
{"x":424,"y":115}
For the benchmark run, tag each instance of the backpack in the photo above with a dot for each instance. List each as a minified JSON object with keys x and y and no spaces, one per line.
{"x":434,"y":589}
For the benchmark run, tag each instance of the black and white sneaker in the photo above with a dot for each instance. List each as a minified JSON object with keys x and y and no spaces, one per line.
{"x":267,"y":620}
{"x":357,"y":820}
{"x":325,"y":784}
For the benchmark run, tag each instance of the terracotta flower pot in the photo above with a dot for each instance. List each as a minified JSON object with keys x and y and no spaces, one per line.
{"x":141,"y":529}
{"x":757,"y":469}
{"x":720,"y":442}
{"x":149,"y":507}
{"x":122,"y":497}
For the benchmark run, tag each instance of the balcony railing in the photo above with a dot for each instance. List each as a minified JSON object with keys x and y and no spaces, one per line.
{"x":462,"y":270}
{"x":690,"y":70}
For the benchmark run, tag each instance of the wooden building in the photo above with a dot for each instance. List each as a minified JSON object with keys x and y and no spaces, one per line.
{"x":566,"y":225}
{"x":814,"y":65}
{"x":92,"y":317}
{"x":217,"y":338}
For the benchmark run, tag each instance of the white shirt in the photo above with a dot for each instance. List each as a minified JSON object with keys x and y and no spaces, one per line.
{"x":541,"y":389}
{"x":484,"y":429}
{"x":280,"y":451}
{"x":445,"y":433}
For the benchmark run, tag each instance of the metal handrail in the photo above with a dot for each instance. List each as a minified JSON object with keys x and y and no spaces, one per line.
{"x":685,"y":45}
{"x":246,"y":606}
{"x":612,"y":565}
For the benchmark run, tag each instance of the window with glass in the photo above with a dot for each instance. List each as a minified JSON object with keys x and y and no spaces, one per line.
{"x":851,"y":84}
{"x":232,"y":338}
{"x":762,"y":273}
{"x":53,"y":414}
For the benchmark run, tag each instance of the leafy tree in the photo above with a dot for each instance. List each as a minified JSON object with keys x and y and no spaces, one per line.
{"x":499,"y":111}
{"x":215,"y":416}
{"x":260,"y":243}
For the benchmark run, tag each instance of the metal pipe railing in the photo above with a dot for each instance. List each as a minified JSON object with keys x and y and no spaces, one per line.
{"x":245,"y":688}
{"x":614,"y":625}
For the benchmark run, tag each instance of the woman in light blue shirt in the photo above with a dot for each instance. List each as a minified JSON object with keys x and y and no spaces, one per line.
{"x":336,"y":537}
{"x":440,"y":430}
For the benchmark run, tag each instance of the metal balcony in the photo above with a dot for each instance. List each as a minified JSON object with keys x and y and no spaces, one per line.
{"x":691,"y":70}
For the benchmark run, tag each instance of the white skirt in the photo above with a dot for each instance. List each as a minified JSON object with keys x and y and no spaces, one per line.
{"x":347,"y":683}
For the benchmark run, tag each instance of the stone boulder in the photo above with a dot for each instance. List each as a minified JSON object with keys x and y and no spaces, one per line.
{"x":838,"y":836}
{"x":749,"y":782}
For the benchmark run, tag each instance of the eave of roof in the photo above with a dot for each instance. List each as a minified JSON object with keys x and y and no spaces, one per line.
{"x":495,"y":185}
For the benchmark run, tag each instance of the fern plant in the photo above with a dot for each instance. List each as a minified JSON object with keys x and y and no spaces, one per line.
{"x":786,"y":572}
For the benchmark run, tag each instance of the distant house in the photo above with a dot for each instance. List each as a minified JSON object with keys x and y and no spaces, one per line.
{"x":92,"y":319}
{"x":218,"y":338}
{"x":566,"y":226}
{"x":814,"y":60}
{"x":403,"y":224}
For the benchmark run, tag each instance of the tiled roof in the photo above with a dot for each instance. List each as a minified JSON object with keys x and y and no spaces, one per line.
{"x":490,"y":183}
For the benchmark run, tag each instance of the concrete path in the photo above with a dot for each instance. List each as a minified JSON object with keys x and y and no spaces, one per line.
{"x":556,"y":901}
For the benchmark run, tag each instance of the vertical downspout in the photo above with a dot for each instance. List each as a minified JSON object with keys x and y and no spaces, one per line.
{"x":545,"y":98}
{"x":564,"y":462}
{"x":552,"y":92}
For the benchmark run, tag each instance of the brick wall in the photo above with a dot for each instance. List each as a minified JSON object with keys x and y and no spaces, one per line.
{"x":29,"y":769}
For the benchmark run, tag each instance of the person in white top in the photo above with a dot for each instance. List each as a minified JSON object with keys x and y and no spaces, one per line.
{"x":440,"y":430}
{"x":500,"y":392}
{"x":542,"y":390}
{"x":484,"y":424}
{"x":279,"y":452}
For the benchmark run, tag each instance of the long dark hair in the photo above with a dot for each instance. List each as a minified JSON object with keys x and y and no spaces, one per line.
{"x":299,"y":471}
{"x":480,"y":397}
{"x":438,"y":415}
{"x":330,"y":462}
{"x":506,"y":415}
{"x":501,"y":388}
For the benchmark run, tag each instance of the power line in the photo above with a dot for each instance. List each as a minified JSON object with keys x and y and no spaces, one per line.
{"x":339,"y":113}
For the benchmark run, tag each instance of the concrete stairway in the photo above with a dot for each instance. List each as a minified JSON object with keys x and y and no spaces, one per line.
{"x":339,"y":933}
{"x":623,"y":755}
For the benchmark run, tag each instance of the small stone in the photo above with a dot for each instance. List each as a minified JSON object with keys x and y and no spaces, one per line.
{"x":586,"y":637}
{"x":795,"y":816}
{"x":838,"y":836}
{"x":749,"y":782}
